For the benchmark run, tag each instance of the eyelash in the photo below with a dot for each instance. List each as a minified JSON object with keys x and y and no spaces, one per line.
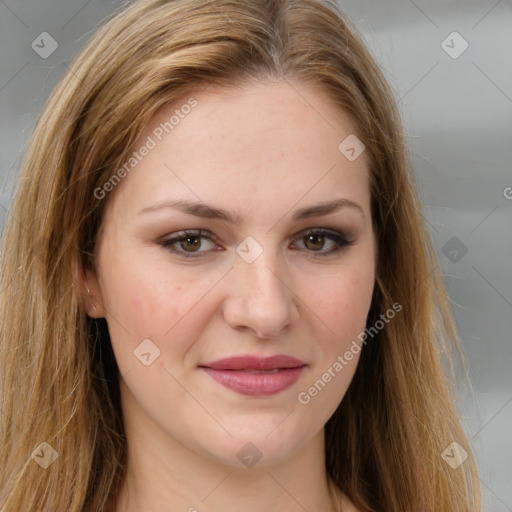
{"x":336,"y":236}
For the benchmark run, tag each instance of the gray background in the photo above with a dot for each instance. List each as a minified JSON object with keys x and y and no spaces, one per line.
{"x":458,"y":119}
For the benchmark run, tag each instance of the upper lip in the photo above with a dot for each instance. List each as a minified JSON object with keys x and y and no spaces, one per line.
{"x":248,"y":362}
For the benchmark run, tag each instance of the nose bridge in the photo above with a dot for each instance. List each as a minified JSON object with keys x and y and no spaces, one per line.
{"x":259,"y":297}
{"x":266,"y":277}
{"x":263,"y":280}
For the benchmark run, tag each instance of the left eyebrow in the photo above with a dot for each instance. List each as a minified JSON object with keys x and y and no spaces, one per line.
{"x":326,"y":208}
{"x":205,"y":211}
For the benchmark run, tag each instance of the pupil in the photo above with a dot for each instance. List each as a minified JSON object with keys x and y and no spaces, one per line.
{"x":191,"y":242}
{"x":315,"y":242}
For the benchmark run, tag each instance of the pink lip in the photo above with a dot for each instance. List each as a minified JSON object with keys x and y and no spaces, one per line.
{"x":256,"y":376}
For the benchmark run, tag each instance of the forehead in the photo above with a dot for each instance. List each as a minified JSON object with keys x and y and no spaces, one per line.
{"x":261,"y":144}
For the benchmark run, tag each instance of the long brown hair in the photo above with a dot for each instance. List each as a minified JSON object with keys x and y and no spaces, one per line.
{"x":59,"y":379}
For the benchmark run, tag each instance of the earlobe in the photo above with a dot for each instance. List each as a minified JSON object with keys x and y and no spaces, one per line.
{"x":88,"y":292}
{"x":94,"y":301}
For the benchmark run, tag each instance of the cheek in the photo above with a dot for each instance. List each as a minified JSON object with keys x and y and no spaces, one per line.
{"x":343,"y":302}
{"x":340,"y":311}
{"x":148,"y":302}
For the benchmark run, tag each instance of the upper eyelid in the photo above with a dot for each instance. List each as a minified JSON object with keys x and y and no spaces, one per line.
{"x":174,"y":237}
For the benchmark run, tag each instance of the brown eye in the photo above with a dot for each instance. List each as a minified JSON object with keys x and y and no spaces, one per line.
{"x":321,"y":242}
{"x":190,"y":243}
{"x":314,"y":242}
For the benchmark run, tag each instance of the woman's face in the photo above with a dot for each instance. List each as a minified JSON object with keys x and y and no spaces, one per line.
{"x":227,"y":337}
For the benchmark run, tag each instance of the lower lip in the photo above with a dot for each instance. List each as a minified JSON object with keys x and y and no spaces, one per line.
{"x":256,"y":384}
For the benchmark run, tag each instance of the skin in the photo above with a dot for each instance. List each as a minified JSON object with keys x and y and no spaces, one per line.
{"x":262,"y":152}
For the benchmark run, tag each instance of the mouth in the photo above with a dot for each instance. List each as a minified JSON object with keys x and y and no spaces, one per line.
{"x":255,"y":376}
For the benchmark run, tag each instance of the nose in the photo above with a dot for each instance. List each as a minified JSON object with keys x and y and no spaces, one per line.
{"x":259,"y":299}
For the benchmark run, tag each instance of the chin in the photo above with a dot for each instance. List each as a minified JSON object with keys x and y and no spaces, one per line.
{"x":256,"y":446}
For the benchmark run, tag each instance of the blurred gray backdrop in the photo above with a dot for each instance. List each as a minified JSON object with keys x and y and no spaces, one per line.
{"x":450,"y":66}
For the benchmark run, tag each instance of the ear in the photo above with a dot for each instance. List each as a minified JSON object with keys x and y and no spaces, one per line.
{"x":88,"y":292}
